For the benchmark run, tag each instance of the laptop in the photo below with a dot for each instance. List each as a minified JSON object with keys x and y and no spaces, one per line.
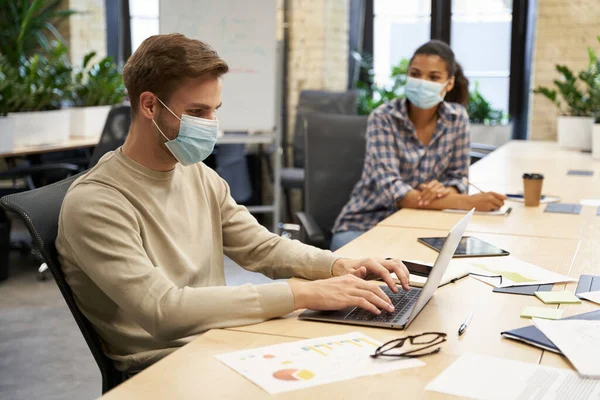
{"x":408,"y":303}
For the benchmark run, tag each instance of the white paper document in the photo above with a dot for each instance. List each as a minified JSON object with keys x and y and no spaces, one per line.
{"x":578,"y":340}
{"x":514,"y":272}
{"x":590,"y":202}
{"x":591,"y":296}
{"x":305,"y":363}
{"x":487,"y":378}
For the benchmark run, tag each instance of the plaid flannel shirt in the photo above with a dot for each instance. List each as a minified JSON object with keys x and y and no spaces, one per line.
{"x":396,"y":162}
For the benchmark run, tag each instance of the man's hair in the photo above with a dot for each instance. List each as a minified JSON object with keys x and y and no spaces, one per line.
{"x":162,"y":62}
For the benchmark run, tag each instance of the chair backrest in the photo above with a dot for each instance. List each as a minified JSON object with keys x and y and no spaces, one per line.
{"x":335,"y":152}
{"x":319,"y":101}
{"x":114,"y":133}
{"x":39,"y":210}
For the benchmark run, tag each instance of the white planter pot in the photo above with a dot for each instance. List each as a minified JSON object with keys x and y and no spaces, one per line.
{"x":34,"y":128}
{"x":7,"y":134}
{"x":88,"y":121}
{"x":596,"y":141}
{"x":575,"y":132}
{"x":494,"y":135}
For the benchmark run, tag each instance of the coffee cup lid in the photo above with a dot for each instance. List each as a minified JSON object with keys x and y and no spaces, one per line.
{"x":533,"y":176}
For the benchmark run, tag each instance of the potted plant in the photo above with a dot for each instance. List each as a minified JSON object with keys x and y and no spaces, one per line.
{"x":38,"y":91}
{"x":33,"y":52}
{"x":591,"y":77}
{"x":8,"y":75}
{"x":488,"y":124}
{"x":371,"y":95}
{"x":94,"y":91}
{"x":30,"y":27}
{"x":575,"y":122}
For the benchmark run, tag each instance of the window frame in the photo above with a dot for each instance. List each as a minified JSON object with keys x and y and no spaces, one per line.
{"x":521,"y":51}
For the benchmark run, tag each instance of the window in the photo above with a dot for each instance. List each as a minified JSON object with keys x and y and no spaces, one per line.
{"x":399,"y":27}
{"x":144,"y":20}
{"x":492,"y":39}
{"x":481,"y":37}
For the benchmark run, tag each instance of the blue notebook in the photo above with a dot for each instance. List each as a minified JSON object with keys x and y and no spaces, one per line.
{"x":588,"y":283}
{"x":580,"y":172}
{"x":533,"y":336}
{"x":563,"y":208}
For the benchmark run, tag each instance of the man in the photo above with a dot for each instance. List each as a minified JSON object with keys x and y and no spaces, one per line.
{"x":142,"y":235}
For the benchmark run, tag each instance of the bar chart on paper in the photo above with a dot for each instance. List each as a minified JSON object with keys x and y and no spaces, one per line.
{"x":291,"y":366}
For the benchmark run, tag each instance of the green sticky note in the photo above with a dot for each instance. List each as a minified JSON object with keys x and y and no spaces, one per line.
{"x":558,"y":297}
{"x":542,"y":312}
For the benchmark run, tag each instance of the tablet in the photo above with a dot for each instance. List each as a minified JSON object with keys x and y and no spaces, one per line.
{"x":469,"y":247}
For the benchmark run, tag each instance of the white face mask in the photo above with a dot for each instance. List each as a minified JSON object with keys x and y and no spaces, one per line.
{"x":423,"y":93}
{"x":196,"y":139}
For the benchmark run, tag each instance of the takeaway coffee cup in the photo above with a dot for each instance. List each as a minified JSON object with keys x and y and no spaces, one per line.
{"x":532,"y":188}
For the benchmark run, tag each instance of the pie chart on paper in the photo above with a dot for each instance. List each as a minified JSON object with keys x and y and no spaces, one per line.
{"x":293,"y":374}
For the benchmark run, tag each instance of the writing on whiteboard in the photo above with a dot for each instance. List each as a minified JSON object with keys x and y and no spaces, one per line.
{"x":236,"y":34}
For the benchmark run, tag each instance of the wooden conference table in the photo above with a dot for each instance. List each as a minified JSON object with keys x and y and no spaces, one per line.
{"x":567,"y":244}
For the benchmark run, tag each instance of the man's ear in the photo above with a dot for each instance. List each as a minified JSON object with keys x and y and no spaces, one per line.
{"x":148,"y":105}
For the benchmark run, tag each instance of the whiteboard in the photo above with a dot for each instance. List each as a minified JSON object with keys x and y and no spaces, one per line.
{"x":244,"y":35}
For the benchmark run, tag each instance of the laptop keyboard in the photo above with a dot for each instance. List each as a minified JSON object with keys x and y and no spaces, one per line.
{"x":402,"y":301}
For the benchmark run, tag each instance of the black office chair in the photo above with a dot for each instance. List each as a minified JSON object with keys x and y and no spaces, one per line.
{"x":335,"y":152}
{"x":39,"y":210}
{"x":311,"y":101}
{"x":114,"y":133}
{"x":29,"y":177}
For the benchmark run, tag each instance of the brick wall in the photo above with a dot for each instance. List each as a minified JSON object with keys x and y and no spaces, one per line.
{"x":318,"y":48}
{"x":85,"y":31}
{"x":564,"y":30}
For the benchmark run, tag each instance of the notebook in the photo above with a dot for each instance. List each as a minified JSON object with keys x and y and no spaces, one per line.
{"x":533,"y":336}
{"x":455,"y":271}
{"x":563,"y":208}
{"x":580,"y":172}
{"x":528,"y":290}
{"x":503,"y":211}
{"x":588,"y":283}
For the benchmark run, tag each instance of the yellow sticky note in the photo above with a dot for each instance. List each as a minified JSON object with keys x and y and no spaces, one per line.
{"x":542,"y":312}
{"x":558,"y":297}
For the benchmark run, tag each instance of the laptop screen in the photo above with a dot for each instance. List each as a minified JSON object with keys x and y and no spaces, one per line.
{"x":441,"y":264}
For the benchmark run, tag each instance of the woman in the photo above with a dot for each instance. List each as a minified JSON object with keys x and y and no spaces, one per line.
{"x":417,"y":149}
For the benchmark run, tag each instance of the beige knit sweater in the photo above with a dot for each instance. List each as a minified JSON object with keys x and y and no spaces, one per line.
{"x":142,"y":251}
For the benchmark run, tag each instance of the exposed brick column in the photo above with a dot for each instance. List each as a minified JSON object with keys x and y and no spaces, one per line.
{"x":564,"y":30}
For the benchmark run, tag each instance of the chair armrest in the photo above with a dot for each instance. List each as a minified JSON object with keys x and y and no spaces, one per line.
{"x":476,"y":156}
{"x":481,"y":147}
{"x":20,"y":172}
{"x":314,"y":234}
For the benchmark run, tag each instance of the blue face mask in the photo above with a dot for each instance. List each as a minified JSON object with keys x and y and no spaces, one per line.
{"x":196,"y":139}
{"x":424,"y":94}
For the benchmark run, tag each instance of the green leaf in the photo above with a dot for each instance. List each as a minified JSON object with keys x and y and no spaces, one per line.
{"x":28,"y":26}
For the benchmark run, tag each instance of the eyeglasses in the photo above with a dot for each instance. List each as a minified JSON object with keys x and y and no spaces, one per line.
{"x":424,"y":341}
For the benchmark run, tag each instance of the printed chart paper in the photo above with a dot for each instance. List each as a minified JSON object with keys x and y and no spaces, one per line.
{"x":306,"y":363}
{"x":578,"y":340}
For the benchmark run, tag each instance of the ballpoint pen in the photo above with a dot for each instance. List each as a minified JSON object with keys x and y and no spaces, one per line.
{"x":508,"y":211}
{"x":476,"y":188}
{"x":463,"y":326}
